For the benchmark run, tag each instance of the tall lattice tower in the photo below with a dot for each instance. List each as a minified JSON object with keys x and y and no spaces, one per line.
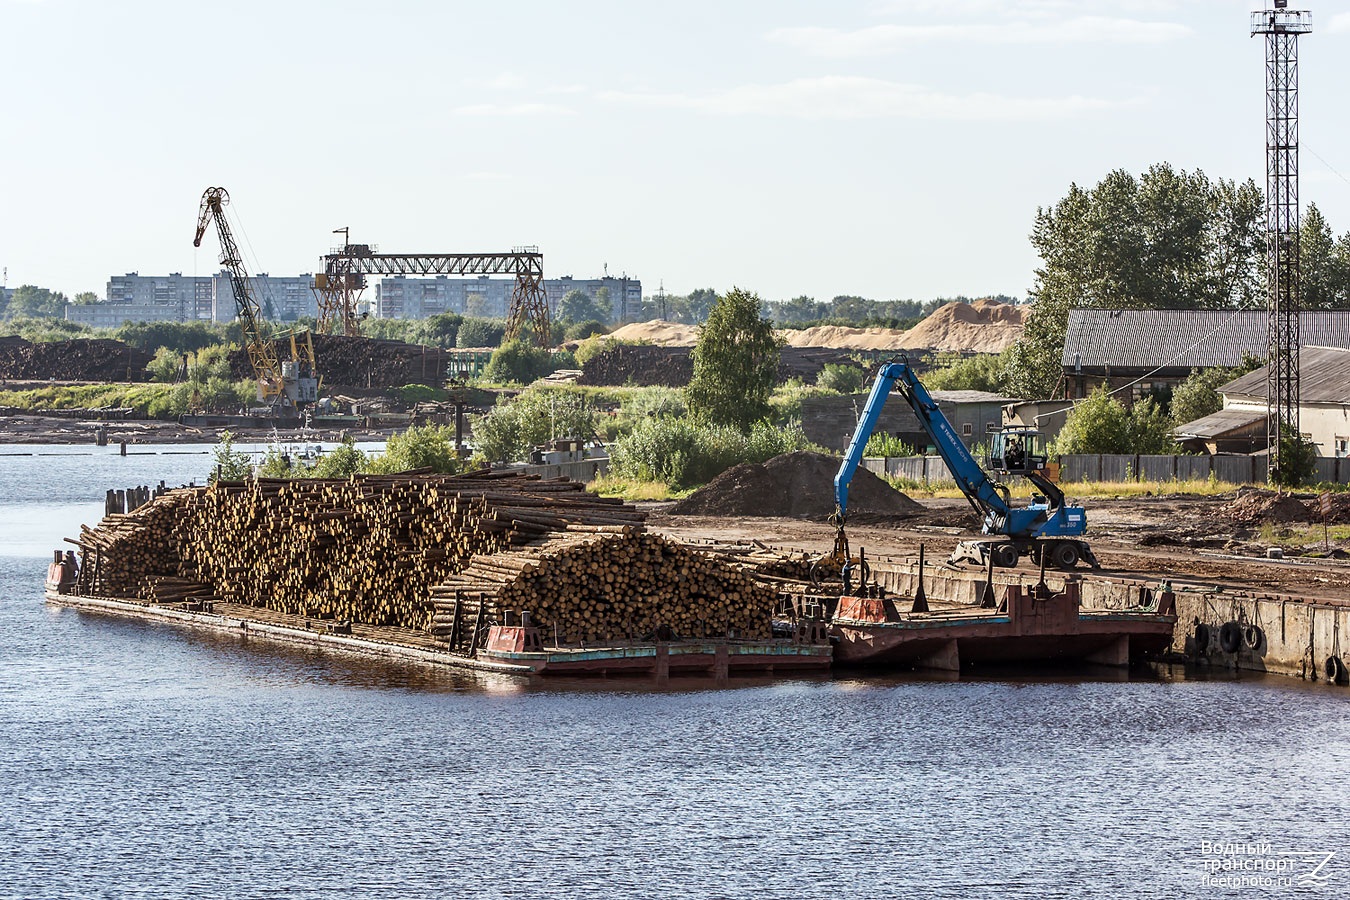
{"x":1282,"y":27}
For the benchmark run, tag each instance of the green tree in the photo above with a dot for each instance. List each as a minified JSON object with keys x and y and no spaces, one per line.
{"x":480,"y":333}
{"x":1102,"y":424}
{"x":579,"y":306}
{"x":510,"y":430}
{"x":85,"y":298}
{"x":735,"y":363}
{"x":582,"y":330}
{"x":231,"y":464}
{"x":699,"y":305}
{"x":1324,"y":279}
{"x":1198,"y":395}
{"x":1167,"y":240}
{"x":1097,"y":424}
{"x":982,"y":372}
{"x":518,"y":362}
{"x":1297,"y":460}
{"x":842,"y":378}
{"x":33,"y":301}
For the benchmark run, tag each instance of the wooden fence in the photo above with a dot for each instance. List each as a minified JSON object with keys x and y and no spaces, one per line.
{"x":1229,"y":467}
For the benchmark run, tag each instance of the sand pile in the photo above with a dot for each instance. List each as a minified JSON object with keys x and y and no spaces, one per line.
{"x":984,"y":326}
{"x":658,"y":331}
{"x":1255,"y":506}
{"x":841,"y":337}
{"x":797,"y":484}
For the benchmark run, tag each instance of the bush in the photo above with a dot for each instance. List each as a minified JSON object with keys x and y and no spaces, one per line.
{"x":1198,"y":396}
{"x":1297,"y":460}
{"x":683,"y":454}
{"x":982,"y":372}
{"x":480,"y":333}
{"x":579,"y":331}
{"x":518,"y":362}
{"x":883,"y":444}
{"x":231,"y":465}
{"x":842,"y":378}
{"x":510,"y":430}
{"x":429,"y":446}
{"x":1102,"y":424}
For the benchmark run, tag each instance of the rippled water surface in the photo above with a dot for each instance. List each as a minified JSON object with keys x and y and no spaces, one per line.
{"x":143,"y":760}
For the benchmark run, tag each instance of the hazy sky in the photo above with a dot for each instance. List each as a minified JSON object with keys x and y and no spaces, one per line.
{"x":890,"y":148}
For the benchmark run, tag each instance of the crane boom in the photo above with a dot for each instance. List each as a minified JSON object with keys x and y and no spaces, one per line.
{"x":275,"y":384}
{"x":1049,"y":519}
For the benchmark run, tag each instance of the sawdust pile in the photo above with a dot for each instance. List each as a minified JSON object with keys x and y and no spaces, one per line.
{"x":984,"y":326}
{"x":658,"y":331}
{"x":841,"y":337}
{"x":799,"y":485}
{"x":1255,"y":506}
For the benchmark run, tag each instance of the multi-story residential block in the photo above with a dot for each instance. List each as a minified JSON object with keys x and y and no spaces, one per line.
{"x":401,"y":297}
{"x":186,"y":298}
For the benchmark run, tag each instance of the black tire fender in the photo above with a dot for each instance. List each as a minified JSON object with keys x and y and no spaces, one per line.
{"x":1202,"y":637}
{"x":1335,"y":669}
{"x":1252,"y":636}
{"x":1230,"y":637}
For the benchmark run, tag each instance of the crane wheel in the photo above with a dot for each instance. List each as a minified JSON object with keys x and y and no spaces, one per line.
{"x":1065,"y":555}
{"x":1005,"y":555}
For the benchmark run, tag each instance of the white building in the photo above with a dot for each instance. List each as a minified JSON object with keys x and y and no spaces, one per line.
{"x":1323,"y":409}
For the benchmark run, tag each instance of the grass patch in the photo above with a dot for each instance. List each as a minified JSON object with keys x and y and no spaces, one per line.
{"x":1099,"y":490}
{"x":633,"y":490}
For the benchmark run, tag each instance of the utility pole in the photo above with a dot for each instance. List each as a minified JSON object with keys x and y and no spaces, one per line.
{"x":1281,"y":27}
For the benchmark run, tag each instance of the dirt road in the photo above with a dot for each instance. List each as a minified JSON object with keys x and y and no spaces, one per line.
{"x":1185,"y":539}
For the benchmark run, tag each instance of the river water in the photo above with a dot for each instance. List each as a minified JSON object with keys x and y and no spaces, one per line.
{"x":147,"y":761}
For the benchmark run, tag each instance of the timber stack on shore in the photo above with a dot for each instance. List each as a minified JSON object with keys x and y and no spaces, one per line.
{"x":441,"y":554}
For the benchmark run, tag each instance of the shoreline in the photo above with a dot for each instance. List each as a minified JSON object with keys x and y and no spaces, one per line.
{"x":54,"y":430}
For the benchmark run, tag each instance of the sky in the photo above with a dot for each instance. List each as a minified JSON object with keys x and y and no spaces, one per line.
{"x":892,"y":149}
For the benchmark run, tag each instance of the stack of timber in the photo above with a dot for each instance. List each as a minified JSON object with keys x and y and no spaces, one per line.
{"x":607,"y":588}
{"x":439,"y":554}
{"x":353,"y":361}
{"x":83,"y":359}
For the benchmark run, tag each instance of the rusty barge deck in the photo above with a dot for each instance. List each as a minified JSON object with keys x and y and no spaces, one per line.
{"x":1031,"y":624}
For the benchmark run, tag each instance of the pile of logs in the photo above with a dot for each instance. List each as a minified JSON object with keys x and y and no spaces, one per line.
{"x":85,"y":359}
{"x":351,"y":361}
{"x":639,"y":364}
{"x":612,"y":587}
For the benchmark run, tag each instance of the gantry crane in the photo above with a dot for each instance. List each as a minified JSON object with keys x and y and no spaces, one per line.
{"x":285,"y":385}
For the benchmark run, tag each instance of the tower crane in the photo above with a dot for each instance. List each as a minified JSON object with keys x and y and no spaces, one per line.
{"x":286,"y":385}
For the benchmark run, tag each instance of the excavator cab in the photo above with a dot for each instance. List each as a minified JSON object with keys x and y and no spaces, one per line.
{"x":1017,"y":451}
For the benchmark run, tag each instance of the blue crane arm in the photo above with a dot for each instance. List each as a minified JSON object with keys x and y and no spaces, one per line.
{"x":979,"y":489}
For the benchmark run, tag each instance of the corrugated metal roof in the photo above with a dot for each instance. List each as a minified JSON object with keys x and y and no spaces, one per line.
{"x":1184,"y":338}
{"x":1218,"y":424}
{"x":1323,"y":376}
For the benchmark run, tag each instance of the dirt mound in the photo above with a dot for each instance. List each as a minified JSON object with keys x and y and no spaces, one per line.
{"x":841,"y":337}
{"x":797,"y":485}
{"x":82,"y":359}
{"x":1255,"y":506}
{"x":984,"y":326}
{"x":658,"y":331}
